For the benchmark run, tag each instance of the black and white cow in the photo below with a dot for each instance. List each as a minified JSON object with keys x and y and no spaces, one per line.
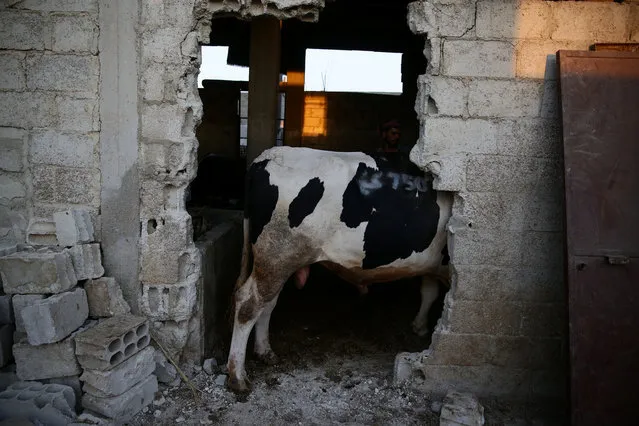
{"x":368,"y":217}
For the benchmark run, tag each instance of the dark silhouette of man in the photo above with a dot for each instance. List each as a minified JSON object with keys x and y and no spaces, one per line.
{"x":391,"y":132}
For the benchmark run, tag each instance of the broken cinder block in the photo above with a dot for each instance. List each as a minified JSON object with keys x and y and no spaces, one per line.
{"x":19,"y":302}
{"x":87,"y":261}
{"x":112,"y":341}
{"x":169,"y":302}
{"x":37,"y":273}
{"x":119,"y":379}
{"x":73,"y":227}
{"x":165,"y":371}
{"x":125,"y":406}
{"x":461,"y":409}
{"x":50,"y":404}
{"x":41,"y":232}
{"x":54,"y":318}
{"x":73,"y":382}
{"x":105,"y":298}
{"x":46,"y":361}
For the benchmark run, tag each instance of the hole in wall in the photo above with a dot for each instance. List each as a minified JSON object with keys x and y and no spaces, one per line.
{"x":188,"y":124}
{"x":217,"y":191}
{"x":151,"y":226}
{"x":432,"y":106}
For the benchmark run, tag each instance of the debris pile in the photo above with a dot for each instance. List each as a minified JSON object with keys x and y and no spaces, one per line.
{"x":68,"y":340}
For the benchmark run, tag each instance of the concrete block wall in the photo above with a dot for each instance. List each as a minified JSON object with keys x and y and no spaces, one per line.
{"x":49,"y":123}
{"x":170,"y":32}
{"x":169,"y":56}
{"x":490,"y":130}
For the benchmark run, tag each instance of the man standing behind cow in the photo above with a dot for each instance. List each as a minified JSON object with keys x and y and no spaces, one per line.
{"x":391,"y":132}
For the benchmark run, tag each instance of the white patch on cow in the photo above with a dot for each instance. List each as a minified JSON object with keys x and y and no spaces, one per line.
{"x":335,"y":170}
{"x":339,"y":243}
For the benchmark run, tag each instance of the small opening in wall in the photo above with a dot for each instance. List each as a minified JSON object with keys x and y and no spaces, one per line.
{"x":151,"y":226}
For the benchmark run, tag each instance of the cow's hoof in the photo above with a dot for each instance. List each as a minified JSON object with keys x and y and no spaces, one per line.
{"x":238,"y":386}
{"x":269,"y":358}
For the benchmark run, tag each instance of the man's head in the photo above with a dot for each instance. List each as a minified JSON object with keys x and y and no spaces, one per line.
{"x":391,"y":131}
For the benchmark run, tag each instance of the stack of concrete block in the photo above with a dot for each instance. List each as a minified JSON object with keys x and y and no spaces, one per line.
{"x":49,"y":404}
{"x":44,"y":304}
{"x":61,"y":315}
{"x":118,"y":379}
{"x":49,"y":307}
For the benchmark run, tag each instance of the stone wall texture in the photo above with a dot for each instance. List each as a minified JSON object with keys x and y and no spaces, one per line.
{"x":490,"y":129}
{"x":49,"y":113}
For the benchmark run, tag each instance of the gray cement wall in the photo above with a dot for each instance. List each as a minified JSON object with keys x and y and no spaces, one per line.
{"x":49,"y":114}
{"x":490,"y":129}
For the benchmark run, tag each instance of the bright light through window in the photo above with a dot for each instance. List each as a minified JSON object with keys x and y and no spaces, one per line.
{"x":214,"y":66}
{"x":353,"y":71}
{"x":326,"y":70}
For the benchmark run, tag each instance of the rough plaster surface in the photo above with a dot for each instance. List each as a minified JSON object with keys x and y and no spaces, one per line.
{"x":490,"y":131}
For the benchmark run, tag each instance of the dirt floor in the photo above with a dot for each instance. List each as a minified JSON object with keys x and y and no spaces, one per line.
{"x":336,"y":351}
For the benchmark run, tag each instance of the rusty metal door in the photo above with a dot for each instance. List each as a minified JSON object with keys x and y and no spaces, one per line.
{"x":600,"y":115}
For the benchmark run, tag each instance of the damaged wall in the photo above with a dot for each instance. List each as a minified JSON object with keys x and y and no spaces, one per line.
{"x":170,"y":108}
{"x":49,"y":122}
{"x":105,"y":120}
{"x":488,"y":105}
{"x":490,"y":129}
{"x":170,"y":33}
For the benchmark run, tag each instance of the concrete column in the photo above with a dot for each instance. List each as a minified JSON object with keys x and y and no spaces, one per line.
{"x":120,"y":196}
{"x":264,"y":71}
{"x":294,"y":108}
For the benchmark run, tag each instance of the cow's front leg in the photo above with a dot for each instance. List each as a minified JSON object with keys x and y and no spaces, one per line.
{"x":247,"y":311}
{"x":263,"y":348}
{"x":429,"y":291}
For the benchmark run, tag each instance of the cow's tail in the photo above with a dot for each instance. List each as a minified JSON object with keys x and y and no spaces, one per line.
{"x":246,"y":256}
{"x":245,"y":265}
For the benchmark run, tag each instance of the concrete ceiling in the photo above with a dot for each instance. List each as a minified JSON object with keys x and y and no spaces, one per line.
{"x":373,"y":25}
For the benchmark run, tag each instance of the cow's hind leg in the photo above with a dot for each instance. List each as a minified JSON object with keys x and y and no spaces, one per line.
{"x":250,"y":303}
{"x":247,"y":311}
{"x":263,"y":348}
{"x":429,"y":291}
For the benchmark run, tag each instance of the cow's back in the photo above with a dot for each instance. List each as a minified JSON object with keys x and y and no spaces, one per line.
{"x":359,"y":212}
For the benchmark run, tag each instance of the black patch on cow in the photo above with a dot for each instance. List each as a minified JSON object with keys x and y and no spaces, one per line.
{"x":399,"y":203}
{"x":356,"y":208}
{"x":305,"y":202}
{"x":261,"y":198}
